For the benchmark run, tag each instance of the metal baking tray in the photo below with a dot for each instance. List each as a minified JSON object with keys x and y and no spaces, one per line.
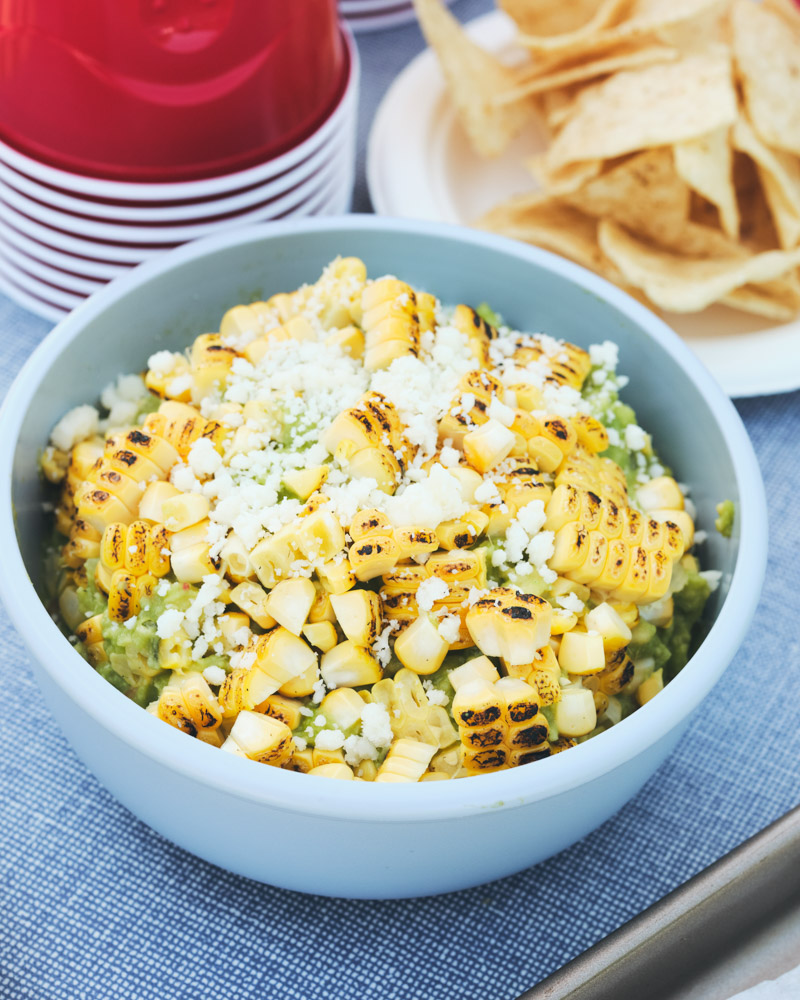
{"x":732,"y":926}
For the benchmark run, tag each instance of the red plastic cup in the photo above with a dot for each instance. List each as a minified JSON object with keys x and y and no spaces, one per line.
{"x":166,"y":90}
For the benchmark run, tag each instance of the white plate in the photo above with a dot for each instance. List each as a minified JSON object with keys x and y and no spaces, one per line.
{"x":420,"y":165}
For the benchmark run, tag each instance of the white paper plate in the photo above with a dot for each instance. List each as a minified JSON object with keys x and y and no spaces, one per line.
{"x":420,"y":165}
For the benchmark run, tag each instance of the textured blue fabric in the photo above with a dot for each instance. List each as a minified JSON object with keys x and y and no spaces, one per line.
{"x":95,"y":906}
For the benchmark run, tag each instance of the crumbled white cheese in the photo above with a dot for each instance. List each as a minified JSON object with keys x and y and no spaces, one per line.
{"x":635,"y":437}
{"x":214,"y":675}
{"x":329,"y":739}
{"x":712,"y":578}
{"x":162,"y":362}
{"x":500,"y":412}
{"x":431,"y":590}
{"x":375,"y":725}
{"x":570,"y":602}
{"x":78,"y":424}
{"x":168,"y":623}
{"x":435,"y":695}
{"x":606,"y":355}
{"x":204,"y":459}
{"x":449,"y":628}
{"x":449,"y":456}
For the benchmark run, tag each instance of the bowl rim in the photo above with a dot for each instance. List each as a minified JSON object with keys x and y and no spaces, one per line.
{"x":352,"y":800}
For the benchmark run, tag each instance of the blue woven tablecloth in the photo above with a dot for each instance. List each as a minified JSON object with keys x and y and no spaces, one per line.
{"x":95,"y":906}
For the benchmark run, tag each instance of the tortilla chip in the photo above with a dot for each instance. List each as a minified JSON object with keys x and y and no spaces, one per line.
{"x":559,"y":17}
{"x":475,"y":79}
{"x":558,"y":106}
{"x":643,"y":193}
{"x":687,"y":284}
{"x":693,"y":96}
{"x":646,"y":18}
{"x":706,"y":164}
{"x":574,"y":19}
{"x":780,"y":179}
{"x":778,"y":299}
{"x":548,"y":223}
{"x":540,"y":82}
{"x":566,"y":180}
{"x":766,"y":47}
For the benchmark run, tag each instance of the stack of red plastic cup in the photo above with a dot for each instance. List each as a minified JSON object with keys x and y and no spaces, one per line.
{"x":128,"y":127}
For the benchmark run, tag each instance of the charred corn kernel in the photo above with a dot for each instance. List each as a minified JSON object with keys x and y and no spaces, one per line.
{"x":192,"y":563}
{"x":590,"y":432}
{"x":273,"y":556}
{"x":407,"y":760}
{"x":548,"y":689}
{"x":342,"y":708}
{"x":373,"y":555}
{"x":282,"y":656}
{"x":575,"y":713}
{"x":650,"y":687}
{"x":123,"y":596}
{"x":581,"y":653}
{"x":303,"y":685}
{"x":301,"y":761}
{"x":661,"y":493}
{"x":479,"y":668}
{"x":157,"y":449}
{"x":613,"y":631}
{"x":285,"y":710}
{"x":102,"y":476}
{"x":477,"y":704}
{"x":510,"y":624}
{"x":358,"y":613}
{"x":320,"y":635}
{"x":484,"y":761}
{"x":685,"y":526}
{"x":184,"y":510}
{"x":340,"y":771}
{"x":99,"y":508}
{"x":594,"y":559}
{"x":488,"y":445}
{"x":367,"y":522}
{"x":90,"y":630}
{"x":478,"y":332}
{"x":457,"y":565}
{"x":150,"y":505}
{"x":252,"y":599}
{"x":349,"y":665}
{"x":617,"y":673}
{"x":463,"y":532}
{"x":420,"y":647}
{"x":412,"y":542}
{"x":262,"y":738}
{"x":188,"y":703}
{"x":290,"y":601}
{"x":545,"y":453}
{"x":210,"y":360}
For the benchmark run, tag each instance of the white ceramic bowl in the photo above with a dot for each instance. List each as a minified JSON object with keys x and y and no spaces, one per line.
{"x":353,"y":838}
{"x":209,"y":187}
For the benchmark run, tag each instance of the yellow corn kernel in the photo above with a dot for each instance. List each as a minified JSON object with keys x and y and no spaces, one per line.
{"x":545,"y":453}
{"x":252,"y":599}
{"x":563,"y":621}
{"x":510,"y":624}
{"x":650,"y":687}
{"x":90,"y":631}
{"x":487,"y":445}
{"x":192,"y":563}
{"x":320,"y":536}
{"x":340,"y":771}
{"x":359,"y":614}
{"x":575,"y":713}
{"x":463,"y":532}
{"x":616,"y":674}
{"x":189,"y":704}
{"x":349,"y":665}
{"x":290,"y":601}
{"x":123,"y":597}
{"x":336,"y":576}
{"x":273,"y":556}
{"x":661,"y":493}
{"x":581,"y":653}
{"x":349,"y":340}
{"x":320,"y":635}
{"x":591,"y":433}
{"x":368,"y":521}
{"x":613,"y":631}
{"x":342,"y":708}
{"x":407,"y":760}
{"x":479,"y":668}
{"x":420,"y":647}
{"x":303,"y":685}
{"x":373,"y":556}
{"x":262,"y":738}
{"x":184,"y":510}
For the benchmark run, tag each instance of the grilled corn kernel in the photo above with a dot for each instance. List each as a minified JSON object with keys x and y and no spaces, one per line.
{"x":289,"y":603}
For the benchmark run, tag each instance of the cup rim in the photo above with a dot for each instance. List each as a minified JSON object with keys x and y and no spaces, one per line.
{"x":354,"y":800}
{"x":135,"y":191}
